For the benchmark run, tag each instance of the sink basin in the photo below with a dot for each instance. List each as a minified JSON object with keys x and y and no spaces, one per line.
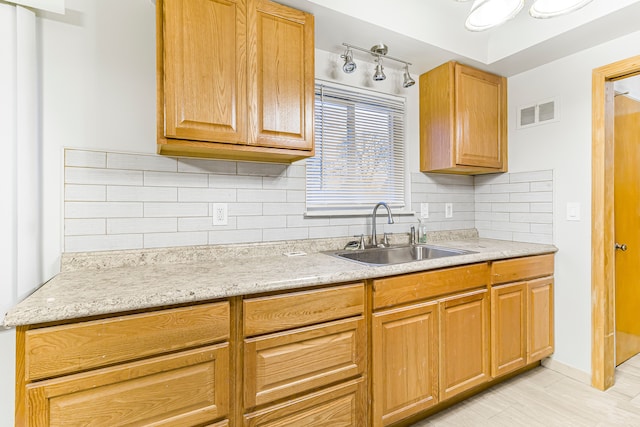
{"x":397,"y":254}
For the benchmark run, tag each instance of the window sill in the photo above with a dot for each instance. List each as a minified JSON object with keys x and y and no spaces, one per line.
{"x":355,"y":213}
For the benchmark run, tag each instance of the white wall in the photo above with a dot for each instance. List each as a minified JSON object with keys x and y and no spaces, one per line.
{"x":565,"y":147}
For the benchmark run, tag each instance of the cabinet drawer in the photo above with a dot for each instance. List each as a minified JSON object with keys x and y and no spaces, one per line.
{"x":183,"y":389}
{"x":512,"y":270}
{"x":420,"y":286}
{"x":279,"y":312}
{"x":340,"y":406}
{"x":60,"y":350}
{"x":287,"y":363}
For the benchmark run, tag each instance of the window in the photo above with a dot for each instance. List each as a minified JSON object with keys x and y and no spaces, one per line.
{"x":359,"y":160}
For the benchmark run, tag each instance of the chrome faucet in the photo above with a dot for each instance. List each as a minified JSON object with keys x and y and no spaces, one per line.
{"x":374,"y":238}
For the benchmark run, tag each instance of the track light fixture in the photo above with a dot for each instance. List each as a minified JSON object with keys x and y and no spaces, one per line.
{"x":379,"y":51}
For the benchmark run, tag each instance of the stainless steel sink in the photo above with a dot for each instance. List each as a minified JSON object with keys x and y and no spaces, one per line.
{"x":397,"y":254}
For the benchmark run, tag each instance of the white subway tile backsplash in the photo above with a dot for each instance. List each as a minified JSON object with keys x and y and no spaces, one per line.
{"x":75,"y":175}
{"x":234,"y":181}
{"x":141,"y":225}
{"x":103,"y":209}
{"x":163,"y":240}
{"x":175,"y":179}
{"x":94,"y":242}
{"x":175,"y":210}
{"x":283,"y":208}
{"x":262,"y":222}
{"x":244,"y":209}
{"x":121,"y":193}
{"x":206,"y":195}
{"x":276,"y":234}
{"x":264,"y":196}
{"x":132,"y":200}
{"x":85,"y":193}
{"x":206,"y":166}
{"x":235,"y":236}
{"x":533,"y":238}
{"x":85,"y":159}
{"x":141,"y":162}
{"x":82,"y":227}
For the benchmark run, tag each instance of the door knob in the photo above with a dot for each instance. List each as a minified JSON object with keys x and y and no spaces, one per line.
{"x":622,"y":247}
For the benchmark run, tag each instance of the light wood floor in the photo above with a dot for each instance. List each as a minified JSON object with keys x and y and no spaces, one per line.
{"x":545,"y":398}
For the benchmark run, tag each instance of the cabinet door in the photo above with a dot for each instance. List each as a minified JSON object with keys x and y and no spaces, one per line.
{"x":480,"y":103}
{"x":281,"y":76}
{"x":464,"y":343}
{"x":508,"y":328}
{"x":540,"y":309}
{"x":204,"y":58}
{"x":182,"y":389}
{"x":287,"y":363}
{"x":343,"y":405}
{"x":405,"y":362}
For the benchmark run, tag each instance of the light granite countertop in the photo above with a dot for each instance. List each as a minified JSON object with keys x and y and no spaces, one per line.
{"x":121,"y":281}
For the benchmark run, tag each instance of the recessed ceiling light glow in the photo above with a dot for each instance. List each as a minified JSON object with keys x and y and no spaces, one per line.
{"x":487,"y":14}
{"x":550,"y":8}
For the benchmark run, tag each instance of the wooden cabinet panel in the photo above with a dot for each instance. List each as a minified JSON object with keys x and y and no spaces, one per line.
{"x":517,"y":269}
{"x":281,"y":76}
{"x":420,"y":286}
{"x":463,"y":120}
{"x":464,"y":343}
{"x":540,"y":322}
{"x":182,"y":389}
{"x":287,"y":363}
{"x":60,"y":350}
{"x":205,"y":70}
{"x":292,"y":310}
{"x":508,"y":328}
{"x":480,"y":119}
{"x":343,"y":405}
{"x":405,"y":362}
{"x":235,"y":80}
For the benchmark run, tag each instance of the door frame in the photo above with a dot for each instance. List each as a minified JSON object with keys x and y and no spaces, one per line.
{"x":602,"y":220}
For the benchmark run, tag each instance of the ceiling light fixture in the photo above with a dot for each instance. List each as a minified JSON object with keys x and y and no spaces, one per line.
{"x":487,"y":14}
{"x":379,"y":51}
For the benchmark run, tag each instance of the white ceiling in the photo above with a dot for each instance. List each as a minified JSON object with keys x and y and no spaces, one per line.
{"x":430,"y":32}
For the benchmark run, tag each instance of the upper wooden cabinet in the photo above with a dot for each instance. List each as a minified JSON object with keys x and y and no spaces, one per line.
{"x":463,"y":121}
{"x":235,"y":80}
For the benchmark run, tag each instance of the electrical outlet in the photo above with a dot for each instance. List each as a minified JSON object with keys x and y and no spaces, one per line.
{"x":220,"y":214}
{"x":424,"y":210}
{"x":448,"y":210}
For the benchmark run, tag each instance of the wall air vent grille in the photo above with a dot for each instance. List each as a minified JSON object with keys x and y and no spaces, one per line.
{"x":541,"y":112}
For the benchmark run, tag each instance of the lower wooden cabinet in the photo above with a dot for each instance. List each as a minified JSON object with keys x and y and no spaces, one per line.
{"x":182,"y":389}
{"x":540,"y":320}
{"x":464,"y":342}
{"x":288,"y":363}
{"x":343,"y":405}
{"x":405,"y":361}
{"x":508,"y":328}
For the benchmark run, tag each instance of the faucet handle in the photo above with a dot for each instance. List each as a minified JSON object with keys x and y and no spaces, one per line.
{"x":412,"y":235}
{"x":385,"y":239}
{"x":362,"y":244}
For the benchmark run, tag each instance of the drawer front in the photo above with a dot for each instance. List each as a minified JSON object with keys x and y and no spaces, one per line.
{"x":183,"y":389}
{"x":340,"y":406}
{"x":513,"y":270}
{"x":287,"y":363}
{"x":430,"y":284}
{"x":280,"y":312}
{"x":59,"y":350}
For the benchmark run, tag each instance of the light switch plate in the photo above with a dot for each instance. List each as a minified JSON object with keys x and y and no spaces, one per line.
{"x":448,"y":210}
{"x":573,"y":211}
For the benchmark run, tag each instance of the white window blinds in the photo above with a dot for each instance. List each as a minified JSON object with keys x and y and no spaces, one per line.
{"x":359,"y":159}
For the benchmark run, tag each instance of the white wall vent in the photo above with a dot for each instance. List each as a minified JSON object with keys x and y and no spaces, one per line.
{"x":541,"y":112}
